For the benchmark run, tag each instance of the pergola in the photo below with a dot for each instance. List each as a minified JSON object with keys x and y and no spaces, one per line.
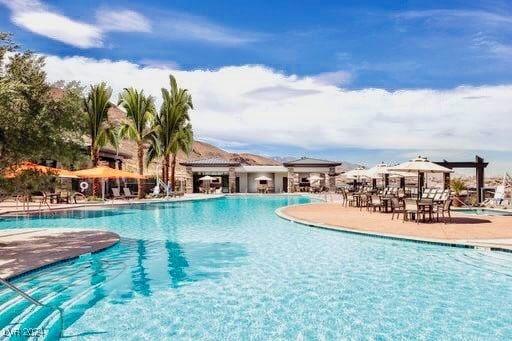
{"x":479,"y":166}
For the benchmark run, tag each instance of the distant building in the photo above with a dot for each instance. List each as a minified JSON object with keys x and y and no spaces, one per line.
{"x":235,"y":177}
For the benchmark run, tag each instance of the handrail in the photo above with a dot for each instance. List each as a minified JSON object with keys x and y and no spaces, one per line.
{"x":36,"y":302}
{"x":466,"y":205}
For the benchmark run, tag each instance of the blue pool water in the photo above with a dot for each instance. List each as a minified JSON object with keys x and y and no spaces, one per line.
{"x":231,"y":269}
{"x":483,"y":211}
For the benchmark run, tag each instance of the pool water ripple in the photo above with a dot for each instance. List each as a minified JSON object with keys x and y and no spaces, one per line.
{"x":231,"y":269}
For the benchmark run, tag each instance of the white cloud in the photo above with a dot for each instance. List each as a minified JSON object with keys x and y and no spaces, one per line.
{"x":186,"y":27}
{"x":122,"y":20}
{"x":334,"y":78}
{"x":239,"y":105}
{"x":160,"y":63}
{"x":59,"y":27}
{"x":469,"y":16}
{"x":36,"y":17}
{"x":493,"y":47}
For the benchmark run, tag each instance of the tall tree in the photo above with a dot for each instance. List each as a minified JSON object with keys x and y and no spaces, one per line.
{"x":172,"y":131}
{"x":183,"y":141}
{"x":140,"y":110}
{"x":34,"y":124}
{"x":101,"y":132}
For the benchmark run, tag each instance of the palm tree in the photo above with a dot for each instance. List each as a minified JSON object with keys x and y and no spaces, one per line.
{"x":183,"y":141}
{"x":101,"y":133}
{"x":172,"y":132}
{"x":140,"y":110}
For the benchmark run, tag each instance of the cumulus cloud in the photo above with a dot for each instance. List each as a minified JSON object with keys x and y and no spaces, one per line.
{"x":36,"y":17}
{"x":237,"y":104}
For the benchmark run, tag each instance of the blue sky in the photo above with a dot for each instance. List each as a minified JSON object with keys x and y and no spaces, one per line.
{"x":429,"y":48}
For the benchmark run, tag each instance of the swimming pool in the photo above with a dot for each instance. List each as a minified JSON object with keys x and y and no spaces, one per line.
{"x":483,"y":211}
{"x":231,"y":269}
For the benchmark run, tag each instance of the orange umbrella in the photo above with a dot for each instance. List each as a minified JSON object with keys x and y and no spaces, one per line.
{"x":30,"y":166}
{"x":105,"y":172}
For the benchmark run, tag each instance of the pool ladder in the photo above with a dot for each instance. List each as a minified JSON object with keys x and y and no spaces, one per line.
{"x":32,"y":300}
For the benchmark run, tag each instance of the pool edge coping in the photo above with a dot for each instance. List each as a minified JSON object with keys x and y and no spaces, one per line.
{"x":65,"y":259}
{"x":456,"y":243}
{"x":17,"y":213}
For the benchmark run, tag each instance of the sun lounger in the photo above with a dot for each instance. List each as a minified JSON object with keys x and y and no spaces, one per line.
{"x":116,"y":193}
{"x":128,"y":194}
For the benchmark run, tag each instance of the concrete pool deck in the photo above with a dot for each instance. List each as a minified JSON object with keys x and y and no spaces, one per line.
{"x":11,"y":208}
{"x":23,"y":250}
{"x":494,"y":232}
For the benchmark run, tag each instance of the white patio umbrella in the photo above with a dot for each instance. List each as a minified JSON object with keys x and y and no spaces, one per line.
{"x":376,"y":172}
{"x":206,"y":178}
{"x":263,"y":178}
{"x":356,"y":173}
{"x":402,"y":175}
{"x":315,"y":178}
{"x":418,"y":166}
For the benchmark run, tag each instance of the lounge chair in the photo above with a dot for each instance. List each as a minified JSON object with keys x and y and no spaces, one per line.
{"x":77,"y":195}
{"x":156,"y":192}
{"x":116,"y":193}
{"x":128,"y":194}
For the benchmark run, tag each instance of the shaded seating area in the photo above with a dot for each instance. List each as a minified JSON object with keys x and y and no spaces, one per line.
{"x":433,"y":204}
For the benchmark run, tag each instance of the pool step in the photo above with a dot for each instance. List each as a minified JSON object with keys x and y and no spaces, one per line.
{"x":75,"y":283}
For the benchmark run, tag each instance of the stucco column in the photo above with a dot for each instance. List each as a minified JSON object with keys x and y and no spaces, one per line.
{"x":332,"y":179}
{"x":189,"y":180}
{"x":291,"y":179}
{"x":232,"y":180}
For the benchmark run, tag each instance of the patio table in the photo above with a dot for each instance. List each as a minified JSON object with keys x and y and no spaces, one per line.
{"x":426,"y":204}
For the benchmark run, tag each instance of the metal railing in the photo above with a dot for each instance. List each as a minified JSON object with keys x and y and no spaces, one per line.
{"x":36,"y":302}
{"x":466,"y":206}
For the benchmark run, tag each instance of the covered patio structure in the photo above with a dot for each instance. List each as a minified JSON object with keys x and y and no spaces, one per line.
{"x":300,"y":172}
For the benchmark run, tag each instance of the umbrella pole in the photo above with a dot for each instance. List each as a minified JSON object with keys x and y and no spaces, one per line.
{"x":103,"y":189}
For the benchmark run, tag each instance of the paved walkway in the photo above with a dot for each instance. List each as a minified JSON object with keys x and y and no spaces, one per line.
{"x":486,"y":231}
{"x":11,"y":208}
{"x":22,"y":250}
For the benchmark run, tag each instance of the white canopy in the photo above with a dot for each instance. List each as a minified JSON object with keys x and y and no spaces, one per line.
{"x":356,"y":173}
{"x":206,"y":178}
{"x":377,"y":171}
{"x":402,"y":175}
{"x":263,"y":178}
{"x":419,"y":165}
{"x":315,"y":178}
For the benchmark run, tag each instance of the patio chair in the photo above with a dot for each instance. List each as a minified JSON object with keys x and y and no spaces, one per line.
{"x":411,"y":208}
{"x":364,"y":201}
{"x":375,"y":203}
{"x":350,"y":200}
{"x":64,"y":198}
{"x":444,"y":208}
{"x":396,"y":208}
{"x":128,"y":194}
{"x":425,"y":193}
